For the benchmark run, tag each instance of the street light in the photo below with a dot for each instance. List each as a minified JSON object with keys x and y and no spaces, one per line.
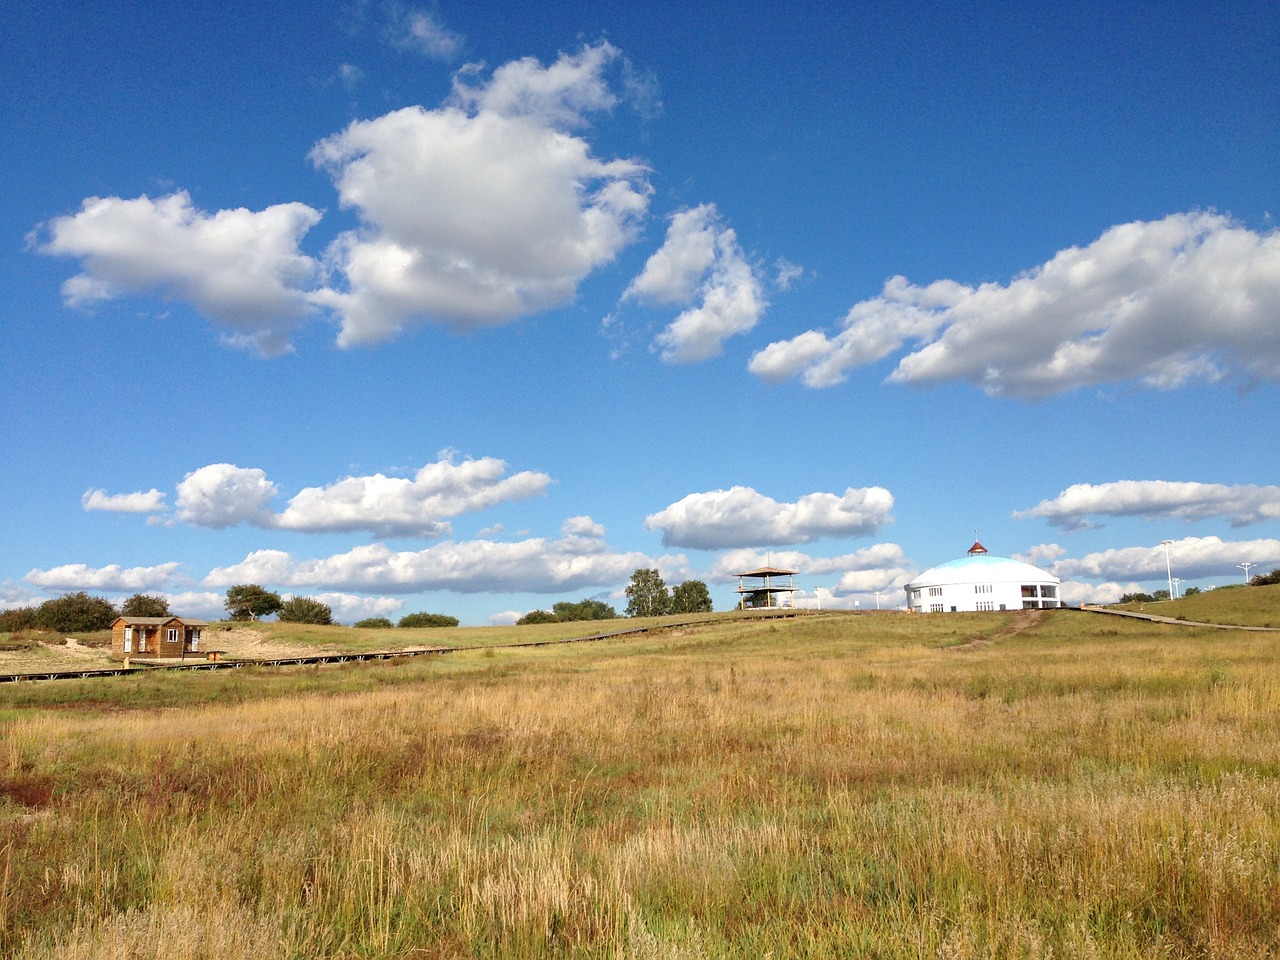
{"x":1176,"y":581}
{"x":1167,"y":568}
{"x":1245,"y":567}
{"x":877,"y":599}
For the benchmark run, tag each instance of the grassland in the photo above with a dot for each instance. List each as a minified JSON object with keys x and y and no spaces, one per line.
{"x":831,"y":786}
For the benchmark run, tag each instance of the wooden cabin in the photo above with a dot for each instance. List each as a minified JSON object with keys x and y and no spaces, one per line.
{"x":158,"y":637}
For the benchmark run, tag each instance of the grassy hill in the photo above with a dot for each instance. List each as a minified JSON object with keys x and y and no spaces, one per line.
{"x":886,"y":786}
{"x":1242,"y":605}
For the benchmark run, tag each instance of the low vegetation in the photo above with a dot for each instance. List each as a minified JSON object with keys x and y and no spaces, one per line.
{"x":885,"y":786}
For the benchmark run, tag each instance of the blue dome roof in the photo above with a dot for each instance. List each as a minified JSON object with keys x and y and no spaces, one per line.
{"x":982,"y":567}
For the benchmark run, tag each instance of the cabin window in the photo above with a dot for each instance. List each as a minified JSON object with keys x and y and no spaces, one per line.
{"x":172,"y":636}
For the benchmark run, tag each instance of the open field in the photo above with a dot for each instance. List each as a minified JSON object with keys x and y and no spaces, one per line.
{"x":830,"y":786}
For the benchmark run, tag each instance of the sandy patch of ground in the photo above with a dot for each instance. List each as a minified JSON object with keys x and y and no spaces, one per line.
{"x":71,"y":654}
{"x":248,"y":643}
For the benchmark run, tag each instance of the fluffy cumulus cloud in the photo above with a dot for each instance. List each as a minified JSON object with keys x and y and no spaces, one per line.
{"x":536,"y":565}
{"x":483,"y":210}
{"x":401,"y":507}
{"x":740,"y":517}
{"x":1190,"y":558}
{"x":1191,"y":296}
{"x":223,"y":495}
{"x":700,"y":266}
{"x":240,"y":268}
{"x":78,"y":576}
{"x":1157,"y":499}
{"x":474,"y":213}
{"x":150,"y":502}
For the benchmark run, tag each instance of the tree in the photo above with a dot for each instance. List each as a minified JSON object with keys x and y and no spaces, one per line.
{"x":583,"y":610}
{"x":1138,"y":597}
{"x":76,"y":613}
{"x":537,"y":616}
{"x":305,"y":610}
{"x":692,"y":596}
{"x":647,"y":594}
{"x":145,"y":605}
{"x":1190,"y":591}
{"x":1160,"y":595}
{"x":19,"y":618}
{"x":1265,"y":579}
{"x":248,"y":601}
{"x":427,"y":620}
{"x":373,"y":623}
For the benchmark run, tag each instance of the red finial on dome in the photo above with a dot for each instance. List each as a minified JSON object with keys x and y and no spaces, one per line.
{"x":976,"y":549}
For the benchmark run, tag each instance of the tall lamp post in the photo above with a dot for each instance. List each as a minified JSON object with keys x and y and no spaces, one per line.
{"x":1167,"y":568}
{"x":1177,"y":582}
{"x":1245,"y":567}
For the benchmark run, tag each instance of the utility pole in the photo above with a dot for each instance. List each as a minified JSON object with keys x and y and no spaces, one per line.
{"x":1245,"y":567}
{"x":1167,"y":568}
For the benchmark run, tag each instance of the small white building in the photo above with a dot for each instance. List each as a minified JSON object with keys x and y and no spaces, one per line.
{"x":980,"y":581}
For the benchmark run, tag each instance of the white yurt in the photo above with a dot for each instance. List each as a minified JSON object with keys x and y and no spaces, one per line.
{"x":980,"y":581}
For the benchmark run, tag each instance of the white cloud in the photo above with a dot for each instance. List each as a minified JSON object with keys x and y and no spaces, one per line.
{"x":223,"y":495}
{"x":700,"y":259}
{"x":350,"y":75}
{"x":398,"y":507}
{"x":476,"y":213}
{"x":410,"y":28}
{"x":880,"y":556}
{"x":1190,"y":559}
{"x":202,"y":605}
{"x":741,"y":517}
{"x":14,"y":595}
{"x":349,"y":608}
{"x":1192,"y":296}
{"x":560,"y":95}
{"x":474,"y":217}
{"x":582,"y":527}
{"x":786,"y":273}
{"x":1074,"y":593}
{"x":1157,"y":499}
{"x":240,"y":268}
{"x":506,"y":618}
{"x":150,"y":502}
{"x":78,"y":576}
{"x":535,"y":565}
{"x":1041,"y":554}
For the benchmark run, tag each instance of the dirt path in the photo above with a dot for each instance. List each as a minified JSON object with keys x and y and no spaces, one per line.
{"x":1022,"y":620}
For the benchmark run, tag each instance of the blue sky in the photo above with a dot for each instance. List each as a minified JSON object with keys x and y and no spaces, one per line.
{"x":452,"y":308}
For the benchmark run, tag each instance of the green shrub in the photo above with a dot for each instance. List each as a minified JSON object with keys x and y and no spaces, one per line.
{"x":427,"y":620}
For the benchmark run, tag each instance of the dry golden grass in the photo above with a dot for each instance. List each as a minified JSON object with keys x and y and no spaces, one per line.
{"x":826,"y":787}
